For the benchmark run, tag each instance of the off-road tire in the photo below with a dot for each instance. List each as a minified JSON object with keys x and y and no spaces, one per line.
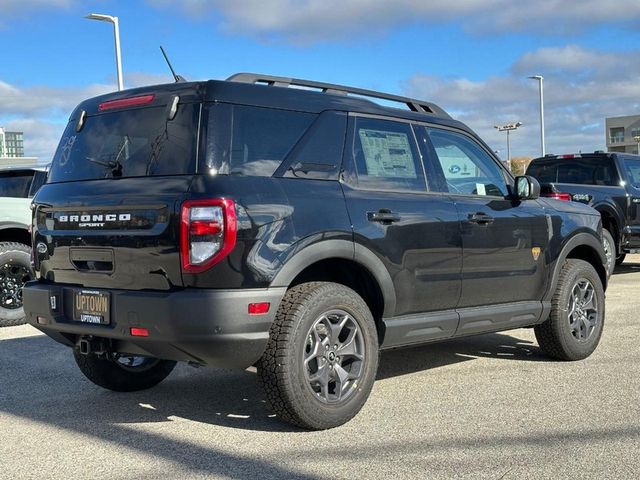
{"x":281,"y":369}
{"x":554,"y":335}
{"x":609,"y":243}
{"x":110,"y":375}
{"x":13,"y":253}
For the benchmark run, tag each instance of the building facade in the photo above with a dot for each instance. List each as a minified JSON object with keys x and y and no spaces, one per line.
{"x":11,"y":144}
{"x":623,"y":134}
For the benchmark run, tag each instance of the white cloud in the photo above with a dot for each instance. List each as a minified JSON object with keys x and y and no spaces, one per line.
{"x":582,"y":87}
{"x":21,"y":8}
{"x":41,"y":112}
{"x":40,"y":138}
{"x":42,"y":100}
{"x":308,"y":21}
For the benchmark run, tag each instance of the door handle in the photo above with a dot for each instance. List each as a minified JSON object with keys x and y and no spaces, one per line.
{"x":383,"y":216}
{"x":480,"y":218}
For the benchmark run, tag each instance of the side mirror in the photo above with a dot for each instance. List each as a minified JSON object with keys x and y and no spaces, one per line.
{"x":527,"y":188}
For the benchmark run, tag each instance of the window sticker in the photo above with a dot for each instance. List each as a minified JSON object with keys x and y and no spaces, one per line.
{"x":387,"y":154}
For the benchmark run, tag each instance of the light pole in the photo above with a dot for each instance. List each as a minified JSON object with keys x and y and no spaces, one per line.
{"x":540,"y":79}
{"x":116,"y":34}
{"x":507,"y":128}
{"x":637,"y":139}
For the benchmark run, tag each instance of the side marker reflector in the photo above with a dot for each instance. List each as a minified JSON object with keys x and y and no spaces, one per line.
{"x":259,"y":308}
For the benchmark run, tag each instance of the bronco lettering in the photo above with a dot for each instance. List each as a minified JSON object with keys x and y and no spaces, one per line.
{"x":109,"y":217}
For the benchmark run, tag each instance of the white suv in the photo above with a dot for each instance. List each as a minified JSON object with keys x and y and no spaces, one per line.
{"x":18,"y":184}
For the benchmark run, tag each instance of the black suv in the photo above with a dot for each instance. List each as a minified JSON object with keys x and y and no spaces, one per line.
{"x":246,"y":222}
{"x":608,"y":182}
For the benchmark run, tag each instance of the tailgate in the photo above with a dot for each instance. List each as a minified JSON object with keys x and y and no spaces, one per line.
{"x":112,"y":233}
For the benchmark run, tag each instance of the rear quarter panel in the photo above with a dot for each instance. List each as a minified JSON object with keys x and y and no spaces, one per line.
{"x":277,"y":218}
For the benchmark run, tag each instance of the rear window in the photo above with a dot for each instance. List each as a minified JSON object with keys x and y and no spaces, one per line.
{"x":253,"y":141}
{"x":128,"y":143}
{"x":15,"y":184}
{"x":580,"y":171}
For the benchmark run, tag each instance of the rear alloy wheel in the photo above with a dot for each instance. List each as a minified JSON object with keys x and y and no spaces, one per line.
{"x":321,"y":360}
{"x":123,"y":373}
{"x":334,"y":356}
{"x":574,"y":326}
{"x":609,"y":245}
{"x":15,"y":271}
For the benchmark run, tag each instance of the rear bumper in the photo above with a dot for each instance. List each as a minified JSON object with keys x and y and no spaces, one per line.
{"x":209,"y":327}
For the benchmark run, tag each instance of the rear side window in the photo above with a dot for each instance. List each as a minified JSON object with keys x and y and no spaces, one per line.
{"x":253,"y":141}
{"x":128,"y":143}
{"x":543,"y":172}
{"x":384,"y":155}
{"x":15,"y":184}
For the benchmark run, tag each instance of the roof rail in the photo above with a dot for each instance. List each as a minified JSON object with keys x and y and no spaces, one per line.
{"x":413,"y":104}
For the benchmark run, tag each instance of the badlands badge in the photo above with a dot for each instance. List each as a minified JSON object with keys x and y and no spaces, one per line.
{"x":535,"y":251}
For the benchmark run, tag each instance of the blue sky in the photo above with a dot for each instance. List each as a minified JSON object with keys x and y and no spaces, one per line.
{"x":471,"y":57}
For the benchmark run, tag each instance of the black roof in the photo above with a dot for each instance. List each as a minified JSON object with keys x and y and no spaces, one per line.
{"x":253,"y":89}
{"x":575,"y":156}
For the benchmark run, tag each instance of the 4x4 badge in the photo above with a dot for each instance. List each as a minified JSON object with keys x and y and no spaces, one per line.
{"x":535,"y":251}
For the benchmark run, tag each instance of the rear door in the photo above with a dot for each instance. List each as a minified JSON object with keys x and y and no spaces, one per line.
{"x":413,"y":231}
{"x":504,"y":241}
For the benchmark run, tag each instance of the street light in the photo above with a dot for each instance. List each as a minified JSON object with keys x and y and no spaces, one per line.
{"x":637,"y":139}
{"x":116,"y":34}
{"x":507,"y":128}
{"x":540,"y":79}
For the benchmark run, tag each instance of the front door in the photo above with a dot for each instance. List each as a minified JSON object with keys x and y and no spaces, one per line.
{"x":504,"y":241}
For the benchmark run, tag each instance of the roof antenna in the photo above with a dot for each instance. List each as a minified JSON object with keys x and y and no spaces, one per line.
{"x":178,"y":78}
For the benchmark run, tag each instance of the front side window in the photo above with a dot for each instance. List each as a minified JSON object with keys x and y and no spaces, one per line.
{"x":632,"y":166}
{"x":252,"y":141}
{"x":467,"y":167}
{"x":385,"y":156}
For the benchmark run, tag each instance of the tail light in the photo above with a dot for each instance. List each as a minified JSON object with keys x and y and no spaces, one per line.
{"x":558,"y":196}
{"x":207,"y":233}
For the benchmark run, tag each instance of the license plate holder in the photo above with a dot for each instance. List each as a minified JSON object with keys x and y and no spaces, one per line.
{"x":91,"y":306}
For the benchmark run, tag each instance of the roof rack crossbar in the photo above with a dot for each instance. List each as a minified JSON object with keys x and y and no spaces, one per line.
{"x":412,"y":103}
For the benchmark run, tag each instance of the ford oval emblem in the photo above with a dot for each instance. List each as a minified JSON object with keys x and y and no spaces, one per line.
{"x":454,"y":169}
{"x":41,"y":247}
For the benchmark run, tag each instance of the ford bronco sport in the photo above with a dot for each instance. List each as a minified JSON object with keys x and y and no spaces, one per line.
{"x":246,"y":222}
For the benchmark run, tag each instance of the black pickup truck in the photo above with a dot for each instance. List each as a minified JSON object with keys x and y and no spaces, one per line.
{"x":608,"y":182}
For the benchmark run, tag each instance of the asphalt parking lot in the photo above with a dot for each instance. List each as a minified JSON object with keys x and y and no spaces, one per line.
{"x":482,"y":407}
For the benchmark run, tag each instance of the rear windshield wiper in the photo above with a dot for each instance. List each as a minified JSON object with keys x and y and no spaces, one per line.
{"x":114,"y":165}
